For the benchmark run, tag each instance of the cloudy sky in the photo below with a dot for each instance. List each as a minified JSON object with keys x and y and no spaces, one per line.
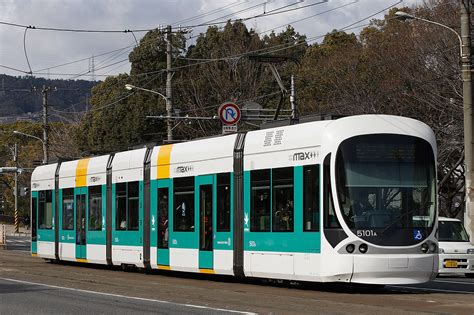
{"x":48,"y":50}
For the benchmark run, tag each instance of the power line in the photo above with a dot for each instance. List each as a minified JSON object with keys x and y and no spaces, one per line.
{"x":265,"y":14}
{"x":270,"y":13}
{"x":83,"y":59}
{"x":289,"y":45}
{"x":55,"y":29}
{"x":310,"y":17}
{"x":229,"y":6}
{"x":14,"y":69}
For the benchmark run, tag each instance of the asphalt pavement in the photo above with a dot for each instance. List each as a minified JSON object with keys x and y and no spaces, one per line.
{"x":29,"y":285}
{"x":24,"y":297}
{"x":19,"y":242}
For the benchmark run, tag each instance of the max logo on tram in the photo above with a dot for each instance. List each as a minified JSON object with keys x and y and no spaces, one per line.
{"x":355,"y":202}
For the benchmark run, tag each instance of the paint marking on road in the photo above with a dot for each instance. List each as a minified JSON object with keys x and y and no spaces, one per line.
{"x":432,"y":290}
{"x":129,"y":297}
{"x":454,"y":282}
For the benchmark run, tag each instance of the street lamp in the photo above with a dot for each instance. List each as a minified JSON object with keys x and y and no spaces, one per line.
{"x":168,"y":108}
{"x":45,"y":155}
{"x":133,"y":87}
{"x":468,"y":111}
{"x":403,"y":16}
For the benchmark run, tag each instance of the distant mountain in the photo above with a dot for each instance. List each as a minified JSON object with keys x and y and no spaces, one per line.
{"x":20,"y":96}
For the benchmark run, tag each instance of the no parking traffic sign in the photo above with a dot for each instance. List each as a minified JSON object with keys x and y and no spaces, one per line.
{"x":229,"y":113}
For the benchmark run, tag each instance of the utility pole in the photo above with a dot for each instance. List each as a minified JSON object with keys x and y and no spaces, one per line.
{"x":294,"y":111}
{"x":169,"y":76}
{"x":466,"y":68}
{"x":45,"y":91}
{"x":15,"y":160}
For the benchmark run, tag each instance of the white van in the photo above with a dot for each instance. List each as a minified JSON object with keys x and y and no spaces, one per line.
{"x":456,"y":254}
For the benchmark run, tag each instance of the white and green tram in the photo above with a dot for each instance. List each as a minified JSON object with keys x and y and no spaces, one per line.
{"x":345,"y":200}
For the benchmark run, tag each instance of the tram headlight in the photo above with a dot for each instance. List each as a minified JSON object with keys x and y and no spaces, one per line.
{"x":470,"y":251}
{"x":350,"y":248}
{"x":363,"y":248}
{"x":441,"y":251}
{"x":433,"y":247}
{"x":425,"y":248}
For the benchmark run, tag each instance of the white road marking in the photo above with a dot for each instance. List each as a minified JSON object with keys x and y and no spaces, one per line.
{"x":433,"y":290}
{"x":128,"y":297}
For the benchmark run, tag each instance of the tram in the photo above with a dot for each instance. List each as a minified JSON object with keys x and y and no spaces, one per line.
{"x":347,"y":200}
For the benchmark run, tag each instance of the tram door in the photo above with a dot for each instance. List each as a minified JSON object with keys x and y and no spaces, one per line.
{"x":205,"y":208}
{"x":34,"y":213}
{"x":81,"y":222}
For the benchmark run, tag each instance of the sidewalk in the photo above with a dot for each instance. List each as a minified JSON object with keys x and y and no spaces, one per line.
{"x":10,"y":231}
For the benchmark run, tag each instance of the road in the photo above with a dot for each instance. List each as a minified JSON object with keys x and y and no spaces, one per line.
{"x":30,"y":285}
{"x":18,"y":242}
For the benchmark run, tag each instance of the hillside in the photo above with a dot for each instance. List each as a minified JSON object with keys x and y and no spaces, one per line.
{"x":22,"y":95}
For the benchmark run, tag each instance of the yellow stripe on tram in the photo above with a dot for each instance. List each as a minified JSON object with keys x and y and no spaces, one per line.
{"x":34,"y":255}
{"x":164,"y":159}
{"x":81,"y":260}
{"x":163,"y":267}
{"x":209,"y":271}
{"x":81,"y":172}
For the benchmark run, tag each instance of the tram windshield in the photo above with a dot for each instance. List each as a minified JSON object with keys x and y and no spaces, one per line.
{"x":385,"y":184}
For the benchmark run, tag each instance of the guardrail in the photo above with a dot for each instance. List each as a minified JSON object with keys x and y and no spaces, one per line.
{"x":3,"y":234}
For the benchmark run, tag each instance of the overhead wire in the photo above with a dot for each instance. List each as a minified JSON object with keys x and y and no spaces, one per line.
{"x":309,"y":17}
{"x":294,"y":43}
{"x":229,"y":6}
{"x":83,"y":59}
{"x":271,"y":12}
{"x":291,"y":44}
{"x":14,"y":69}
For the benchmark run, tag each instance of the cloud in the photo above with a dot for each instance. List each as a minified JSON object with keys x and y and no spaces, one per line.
{"x":46,"y":48}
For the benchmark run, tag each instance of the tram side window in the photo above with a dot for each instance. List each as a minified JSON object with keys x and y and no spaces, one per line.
{"x":223,"y":202}
{"x":311,"y":198}
{"x":183,"y":218}
{"x":132,"y":214}
{"x":283,"y":199}
{"x":260,"y":199}
{"x":68,"y":209}
{"x":127,"y":206}
{"x":95,"y":208}
{"x":121,"y":206}
{"x":45,"y":209}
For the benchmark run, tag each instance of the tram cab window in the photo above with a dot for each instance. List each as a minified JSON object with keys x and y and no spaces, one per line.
{"x":127,"y":197}
{"x":223,"y":202}
{"x":68,"y":209}
{"x":183,"y":218}
{"x":283,"y":199}
{"x":311,"y":199}
{"x":330,"y":218}
{"x":45,"y":209}
{"x":260,"y":199}
{"x":95,"y":208}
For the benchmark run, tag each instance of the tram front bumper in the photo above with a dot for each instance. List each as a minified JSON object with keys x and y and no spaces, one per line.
{"x":394,"y":269}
